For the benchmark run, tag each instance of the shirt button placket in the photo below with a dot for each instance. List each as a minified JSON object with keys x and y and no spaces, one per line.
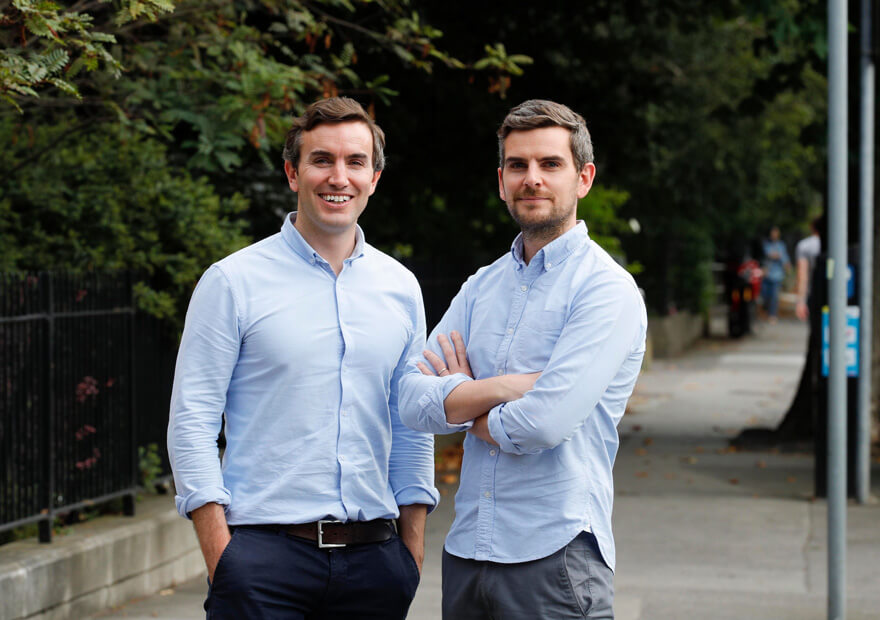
{"x":343,"y":404}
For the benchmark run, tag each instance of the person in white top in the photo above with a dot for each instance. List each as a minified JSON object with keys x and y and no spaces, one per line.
{"x":805,"y":253}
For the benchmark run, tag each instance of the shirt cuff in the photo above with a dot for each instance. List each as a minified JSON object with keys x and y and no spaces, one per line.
{"x":496,"y":430}
{"x":431,"y":404}
{"x":197,"y":499}
{"x":418,"y":495}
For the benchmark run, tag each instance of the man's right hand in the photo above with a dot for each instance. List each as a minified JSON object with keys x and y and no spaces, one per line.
{"x":213,"y":533}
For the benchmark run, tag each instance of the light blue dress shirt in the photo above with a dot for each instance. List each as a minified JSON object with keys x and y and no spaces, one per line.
{"x":306,"y":367}
{"x":577,"y":317}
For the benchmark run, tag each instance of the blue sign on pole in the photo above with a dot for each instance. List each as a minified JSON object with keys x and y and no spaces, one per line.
{"x":852,"y":341}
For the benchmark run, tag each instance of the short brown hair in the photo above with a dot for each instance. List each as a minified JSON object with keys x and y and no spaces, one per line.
{"x":537,"y":113}
{"x":333,"y":110}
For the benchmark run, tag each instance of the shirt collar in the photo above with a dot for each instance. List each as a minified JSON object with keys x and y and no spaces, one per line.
{"x":555,"y":252}
{"x":299,"y":245}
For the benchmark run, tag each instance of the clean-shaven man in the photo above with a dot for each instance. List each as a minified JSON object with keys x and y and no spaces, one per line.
{"x":300,"y":342}
{"x":544,"y":348}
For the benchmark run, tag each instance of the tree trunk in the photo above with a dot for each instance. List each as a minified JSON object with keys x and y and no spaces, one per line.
{"x":799,"y":424}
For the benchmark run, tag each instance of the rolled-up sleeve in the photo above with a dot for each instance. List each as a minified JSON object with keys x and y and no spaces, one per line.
{"x":206,"y":359}
{"x":602,"y":331}
{"x":411,"y":463}
{"x":421,"y":396}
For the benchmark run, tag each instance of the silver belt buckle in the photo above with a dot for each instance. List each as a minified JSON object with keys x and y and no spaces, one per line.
{"x":321,"y":543}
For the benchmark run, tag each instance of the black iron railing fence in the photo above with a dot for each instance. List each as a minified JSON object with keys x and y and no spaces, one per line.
{"x":74,"y":356}
{"x":84,"y":381}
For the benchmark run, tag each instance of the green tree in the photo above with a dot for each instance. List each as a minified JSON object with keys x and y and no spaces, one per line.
{"x":113,"y":201}
{"x":155,"y":120}
{"x":708,"y":116}
{"x":215,"y":77}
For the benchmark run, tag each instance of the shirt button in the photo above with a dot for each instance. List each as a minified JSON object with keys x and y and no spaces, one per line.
{"x":491,"y":452}
{"x":344,"y":413}
{"x":509,"y":330}
{"x":524,"y":288}
{"x":487,"y":494}
{"x":549,"y":265}
{"x":341,"y":458}
{"x":499,"y":372}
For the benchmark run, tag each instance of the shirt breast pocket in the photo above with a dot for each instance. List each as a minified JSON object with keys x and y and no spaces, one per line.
{"x":536,"y":337}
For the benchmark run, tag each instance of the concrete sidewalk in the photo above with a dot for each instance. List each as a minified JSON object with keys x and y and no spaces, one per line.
{"x":702,"y":532}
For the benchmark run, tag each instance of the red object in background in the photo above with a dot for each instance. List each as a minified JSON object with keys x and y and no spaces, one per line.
{"x":751,"y":272}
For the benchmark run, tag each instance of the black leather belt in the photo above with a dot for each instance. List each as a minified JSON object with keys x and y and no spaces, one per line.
{"x":329,"y":534}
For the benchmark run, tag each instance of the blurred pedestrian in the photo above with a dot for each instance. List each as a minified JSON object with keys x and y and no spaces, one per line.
{"x":805,"y":254}
{"x":776,"y":265}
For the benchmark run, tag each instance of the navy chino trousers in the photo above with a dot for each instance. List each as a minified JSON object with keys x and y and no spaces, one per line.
{"x":264,"y":574}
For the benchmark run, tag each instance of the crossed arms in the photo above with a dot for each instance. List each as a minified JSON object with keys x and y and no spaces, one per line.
{"x":472,"y":400}
{"x":595,"y":356}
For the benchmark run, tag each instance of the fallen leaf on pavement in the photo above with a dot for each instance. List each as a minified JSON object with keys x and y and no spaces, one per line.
{"x":648,"y":441}
{"x":166,"y":592}
{"x":699,"y":449}
{"x":636,"y":428}
{"x":641,"y":452}
{"x":791,"y":479}
{"x":761,"y":464}
{"x":641,"y":474}
{"x":733,"y":480}
{"x":690,"y":460}
{"x":670,"y":476}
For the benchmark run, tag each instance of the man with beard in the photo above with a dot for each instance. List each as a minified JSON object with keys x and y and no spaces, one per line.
{"x":544,"y":348}
{"x":299,"y":342}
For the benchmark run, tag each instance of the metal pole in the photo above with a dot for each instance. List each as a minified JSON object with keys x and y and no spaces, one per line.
{"x":837,"y":272}
{"x":866,"y":259}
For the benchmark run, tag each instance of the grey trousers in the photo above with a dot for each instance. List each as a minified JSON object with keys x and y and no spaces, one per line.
{"x":574,"y":582}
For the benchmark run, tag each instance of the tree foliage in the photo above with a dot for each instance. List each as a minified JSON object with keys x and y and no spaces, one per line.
{"x":214,"y":76}
{"x":113,"y":200}
{"x":137,"y":127}
{"x":44,"y":46}
{"x":707,"y":118}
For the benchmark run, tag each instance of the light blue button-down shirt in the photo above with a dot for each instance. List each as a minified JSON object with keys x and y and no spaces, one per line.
{"x":577,"y":317}
{"x":775,"y":266}
{"x":306,"y":367}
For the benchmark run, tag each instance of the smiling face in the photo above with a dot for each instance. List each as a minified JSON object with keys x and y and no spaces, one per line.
{"x":540,"y":183}
{"x":333,"y":180}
